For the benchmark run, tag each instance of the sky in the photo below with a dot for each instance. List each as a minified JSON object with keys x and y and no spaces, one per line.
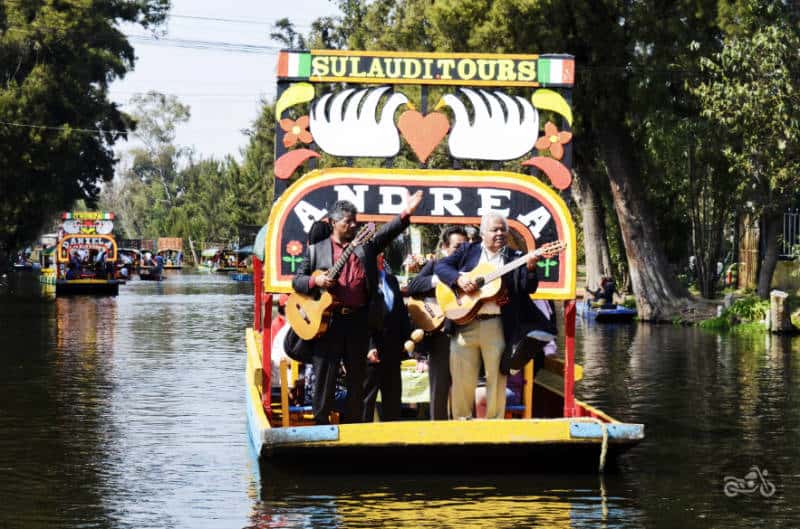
{"x":222,"y":88}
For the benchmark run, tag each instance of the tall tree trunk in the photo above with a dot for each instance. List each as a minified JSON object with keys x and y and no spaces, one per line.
{"x":595,"y":239}
{"x":773,"y":222}
{"x":658,"y":295}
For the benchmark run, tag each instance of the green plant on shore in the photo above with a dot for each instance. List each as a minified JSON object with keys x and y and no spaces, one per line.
{"x":745,"y":313}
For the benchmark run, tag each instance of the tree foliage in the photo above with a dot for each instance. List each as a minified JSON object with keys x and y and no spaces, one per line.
{"x":751,"y":93}
{"x":165,"y":191}
{"x":57,"y":125}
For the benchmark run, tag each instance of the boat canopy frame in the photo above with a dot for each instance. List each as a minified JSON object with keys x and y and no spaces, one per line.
{"x":339,"y":96}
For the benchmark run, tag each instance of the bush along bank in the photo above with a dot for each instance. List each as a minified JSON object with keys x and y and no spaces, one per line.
{"x":748,"y":314}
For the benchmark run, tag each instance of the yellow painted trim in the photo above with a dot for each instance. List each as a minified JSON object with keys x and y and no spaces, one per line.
{"x":421,"y":176}
{"x":253,"y":363}
{"x":77,"y":235}
{"x":555,"y":364}
{"x":429,"y":433}
{"x":425,"y":54}
{"x":448,"y":82}
{"x":87,"y":281}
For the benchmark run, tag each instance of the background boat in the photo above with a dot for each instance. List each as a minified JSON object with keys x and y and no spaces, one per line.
{"x":615,"y":314}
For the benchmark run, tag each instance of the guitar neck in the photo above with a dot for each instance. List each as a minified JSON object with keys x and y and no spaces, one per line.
{"x":506,"y":268}
{"x":333,"y":273}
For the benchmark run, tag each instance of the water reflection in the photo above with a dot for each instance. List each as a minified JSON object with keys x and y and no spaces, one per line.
{"x":54,"y":388}
{"x":129,"y":412}
{"x":444,"y":502}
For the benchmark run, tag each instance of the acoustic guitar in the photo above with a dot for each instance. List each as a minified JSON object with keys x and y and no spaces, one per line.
{"x":309,"y":315}
{"x":462,"y":307}
{"x":426,"y":313}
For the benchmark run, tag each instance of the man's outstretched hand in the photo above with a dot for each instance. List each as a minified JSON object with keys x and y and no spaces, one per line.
{"x":414,"y":201}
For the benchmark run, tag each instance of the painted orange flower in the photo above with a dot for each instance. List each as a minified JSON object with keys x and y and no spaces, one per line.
{"x":295,"y":130}
{"x":294,"y":248}
{"x":553,"y":140}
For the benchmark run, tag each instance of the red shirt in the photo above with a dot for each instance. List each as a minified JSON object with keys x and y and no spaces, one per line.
{"x":278,"y":322}
{"x":351,"y":284}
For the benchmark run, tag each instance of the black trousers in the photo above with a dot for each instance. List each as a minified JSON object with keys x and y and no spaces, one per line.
{"x":439,"y":374}
{"x":346,"y":340}
{"x":384,"y":377}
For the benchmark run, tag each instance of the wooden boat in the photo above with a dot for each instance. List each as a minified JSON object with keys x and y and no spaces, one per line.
{"x":551,"y":427}
{"x":615,"y":314}
{"x":27,"y":266}
{"x":150,"y":273}
{"x":128,"y":262}
{"x":88,"y":233}
{"x":227,"y":262}
{"x":171,"y":250}
{"x":218,"y":260}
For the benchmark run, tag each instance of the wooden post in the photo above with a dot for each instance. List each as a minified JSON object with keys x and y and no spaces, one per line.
{"x":780,"y":319}
{"x":194,"y":254}
{"x":527,"y":391}
{"x":569,"y":360}
{"x":266,"y":361}
{"x":284,"y":394}
{"x":258,"y":287}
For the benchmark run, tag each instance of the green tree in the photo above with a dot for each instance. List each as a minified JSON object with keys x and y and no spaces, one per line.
{"x":624,"y":51}
{"x":257,"y":166}
{"x":150,"y":189}
{"x":57,"y":125}
{"x":751,"y":93}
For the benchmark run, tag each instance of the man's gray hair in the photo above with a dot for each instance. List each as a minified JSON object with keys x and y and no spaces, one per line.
{"x":488,"y":217}
{"x":341,"y":209}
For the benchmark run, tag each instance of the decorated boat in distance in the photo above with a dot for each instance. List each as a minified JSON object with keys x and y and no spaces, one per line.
{"x":606,"y":313}
{"x":171,"y":251}
{"x":551,"y":429}
{"x":218,"y":259}
{"x":86,"y":254}
{"x":22,"y":264}
{"x":128,"y":262}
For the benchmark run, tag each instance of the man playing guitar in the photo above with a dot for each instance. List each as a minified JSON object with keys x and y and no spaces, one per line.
{"x":359,"y":305}
{"x":437,"y":341}
{"x":487,"y":336}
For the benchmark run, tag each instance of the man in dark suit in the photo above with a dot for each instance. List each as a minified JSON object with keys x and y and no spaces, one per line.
{"x":358,"y":309}
{"x":386,"y":352}
{"x":497,"y":324}
{"x":437,"y":343}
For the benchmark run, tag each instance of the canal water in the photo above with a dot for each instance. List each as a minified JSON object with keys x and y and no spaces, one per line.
{"x":128,"y":412}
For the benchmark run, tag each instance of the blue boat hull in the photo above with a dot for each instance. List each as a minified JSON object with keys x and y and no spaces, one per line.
{"x":619,"y":314}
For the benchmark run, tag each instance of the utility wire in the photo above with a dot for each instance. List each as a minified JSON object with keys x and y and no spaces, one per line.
{"x":235,"y":20}
{"x":66,"y":127}
{"x":204,"y":44}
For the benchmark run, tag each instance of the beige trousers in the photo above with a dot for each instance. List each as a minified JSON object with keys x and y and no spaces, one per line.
{"x":480,"y":339}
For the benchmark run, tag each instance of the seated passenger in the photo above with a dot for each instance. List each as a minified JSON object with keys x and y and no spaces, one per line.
{"x":604,"y":296}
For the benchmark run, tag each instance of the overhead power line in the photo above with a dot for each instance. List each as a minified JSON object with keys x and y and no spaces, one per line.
{"x":235,"y":20}
{"x":236,"y":47}
{"x":65,"y":127}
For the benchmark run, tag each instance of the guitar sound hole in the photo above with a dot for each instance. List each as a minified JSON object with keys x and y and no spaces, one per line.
{"x":303,"y":314}
{"x":479,"y":281}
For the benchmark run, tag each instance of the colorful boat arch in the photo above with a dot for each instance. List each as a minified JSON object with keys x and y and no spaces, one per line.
{"x":98,"y":242}
{"x":534,"y":211}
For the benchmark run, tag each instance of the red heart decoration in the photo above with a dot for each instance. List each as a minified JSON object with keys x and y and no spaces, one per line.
{"x":423,"y":133}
